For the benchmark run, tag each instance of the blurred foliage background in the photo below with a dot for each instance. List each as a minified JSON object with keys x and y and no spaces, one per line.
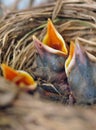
{"x":10,"y":5}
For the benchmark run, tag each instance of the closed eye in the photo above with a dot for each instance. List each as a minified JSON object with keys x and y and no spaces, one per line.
{"x":40,"y":45}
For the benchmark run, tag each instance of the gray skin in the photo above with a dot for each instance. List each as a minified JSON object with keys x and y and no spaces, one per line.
{"x":82,"y":77}
{"x":49,"y":57}
{"x":50,"y":69}
{"x":50,"y":62}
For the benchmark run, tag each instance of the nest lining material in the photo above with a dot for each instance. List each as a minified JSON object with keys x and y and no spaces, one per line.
{"x":73,"y":19}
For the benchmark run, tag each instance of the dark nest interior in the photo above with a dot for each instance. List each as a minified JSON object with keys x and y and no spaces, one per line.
{"x":20,"y":110}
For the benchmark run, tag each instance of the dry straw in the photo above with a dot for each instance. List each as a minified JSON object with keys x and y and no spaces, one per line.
{"x":74,"y":19}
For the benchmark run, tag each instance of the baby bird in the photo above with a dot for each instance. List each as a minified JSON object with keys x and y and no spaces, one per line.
{"x":51,"y":55}
{"x":52,"y":50}
{"x":80,"y":68}
{"x":20,"y":78}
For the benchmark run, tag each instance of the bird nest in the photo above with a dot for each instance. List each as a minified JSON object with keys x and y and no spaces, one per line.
{"x":74,"y":19}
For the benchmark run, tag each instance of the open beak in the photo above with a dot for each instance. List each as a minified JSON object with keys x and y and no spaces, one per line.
{"x":52,"y":41}
{"x":71,"y":59}
{"x":52,"y":58}
{"x":77,"y":57}
{"x":75,"y":54}
{"x":19,"y":77}
{"x":42,"y":48}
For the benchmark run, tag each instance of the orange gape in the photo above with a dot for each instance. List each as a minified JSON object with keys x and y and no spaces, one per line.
{"x":8,"y":72}
{"x":19,"y":77}
{"x":71,"y":53}
{"x":53,"y":39}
